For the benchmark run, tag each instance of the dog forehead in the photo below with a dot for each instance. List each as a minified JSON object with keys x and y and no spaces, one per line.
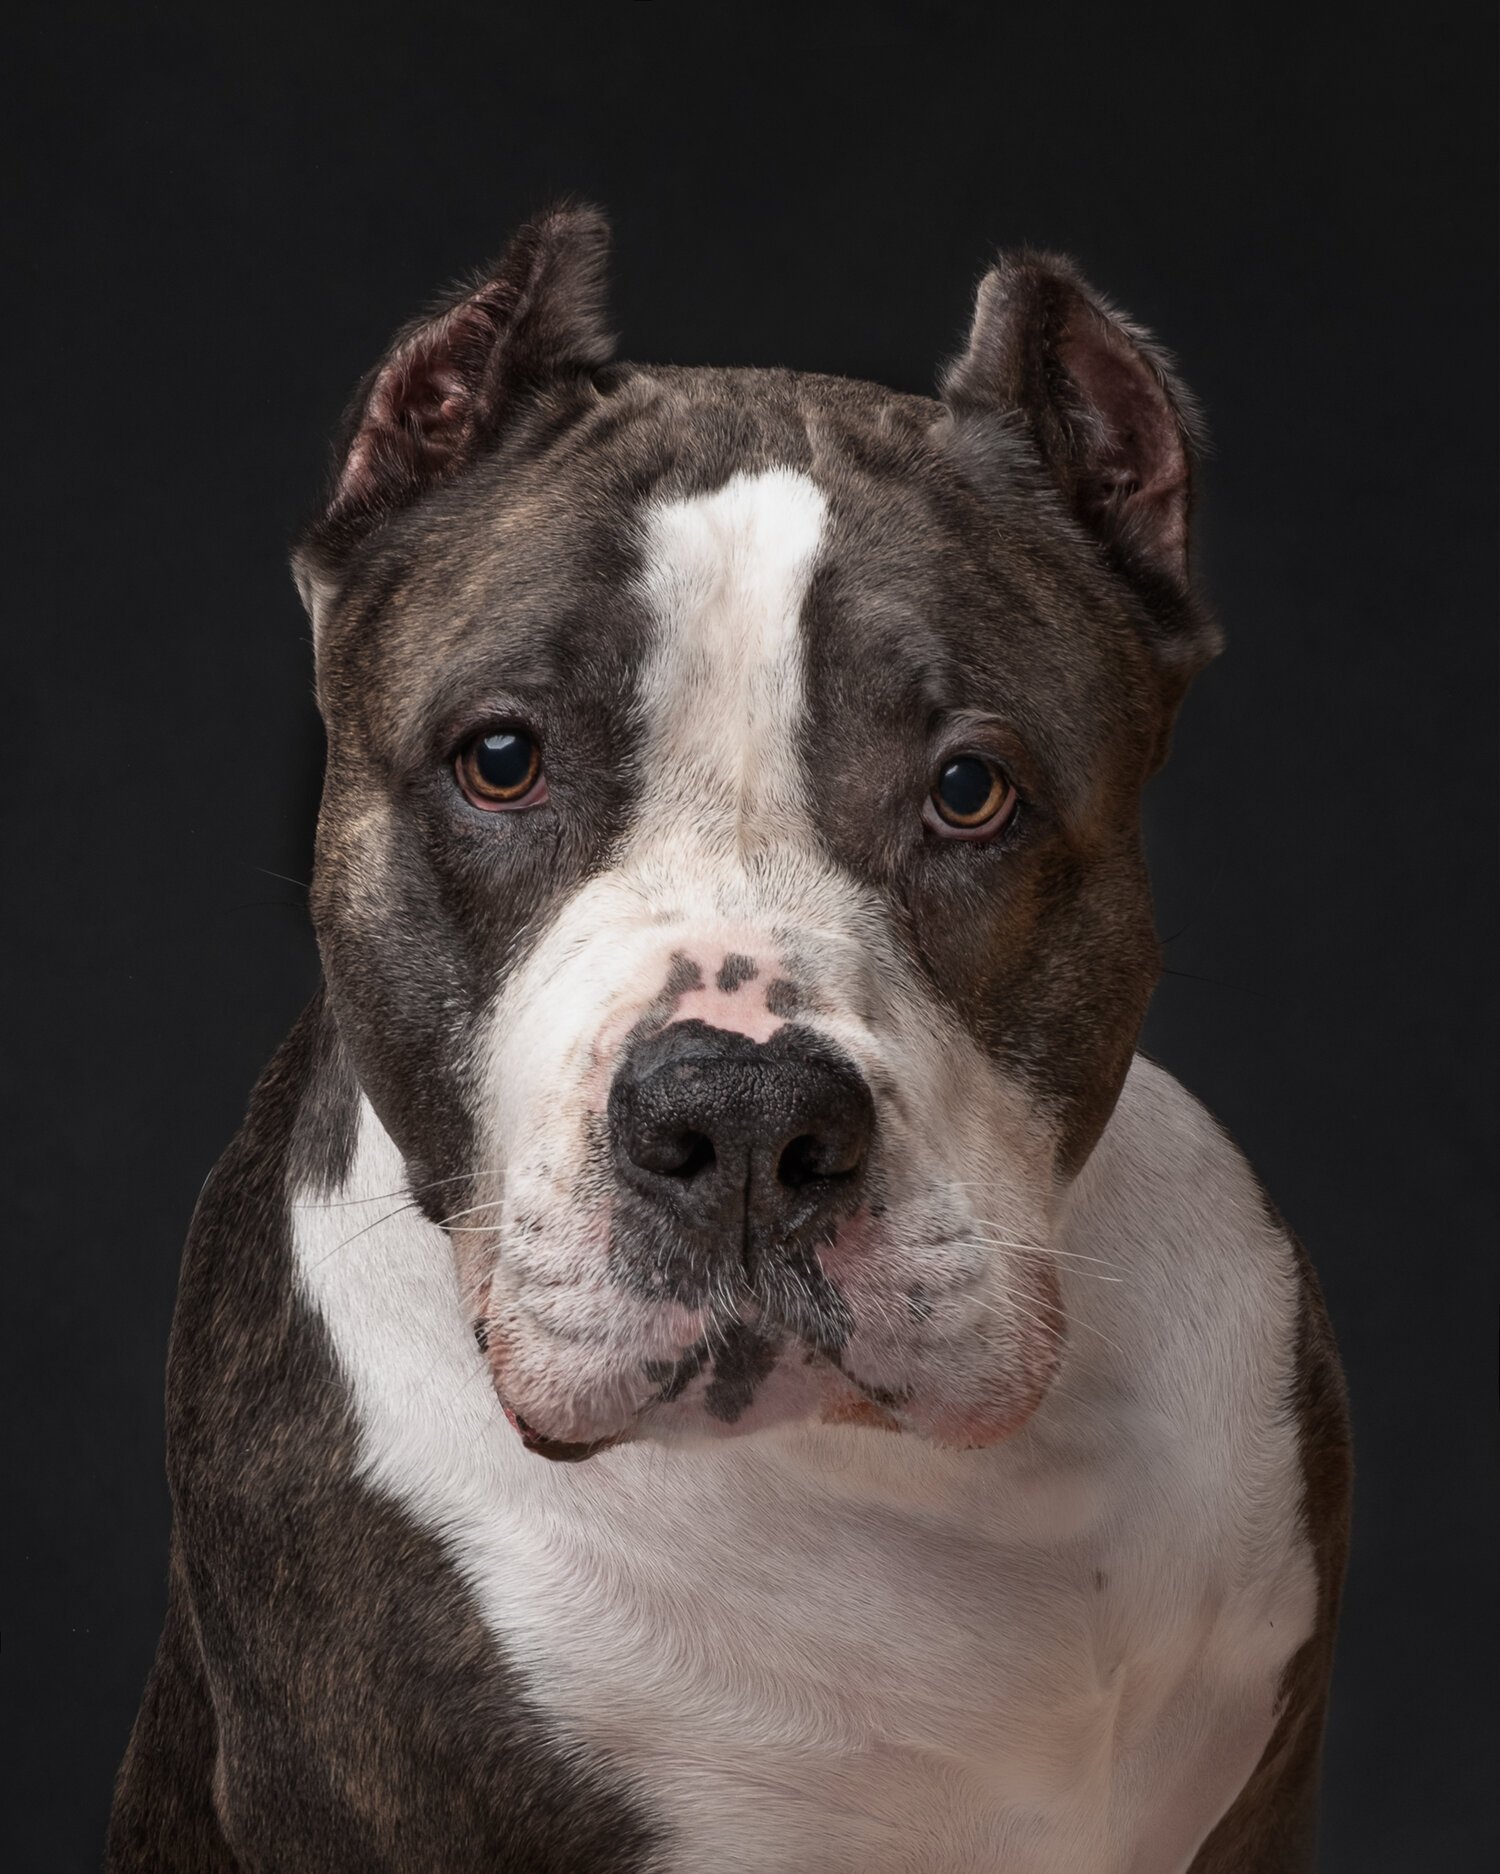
{"x":540,"y":572}
{"x":541,"y":527}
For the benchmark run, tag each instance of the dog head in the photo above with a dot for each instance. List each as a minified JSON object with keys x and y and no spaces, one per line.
{"x":729,"y":878}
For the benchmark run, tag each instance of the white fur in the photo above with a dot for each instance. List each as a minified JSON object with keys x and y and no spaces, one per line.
{"x":840,"y":1649}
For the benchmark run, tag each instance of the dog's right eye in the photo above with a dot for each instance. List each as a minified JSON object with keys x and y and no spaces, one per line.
{"x":502,"y":769}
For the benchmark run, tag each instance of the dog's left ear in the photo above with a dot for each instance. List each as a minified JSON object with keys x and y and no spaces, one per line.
{"x":1114,"y":428}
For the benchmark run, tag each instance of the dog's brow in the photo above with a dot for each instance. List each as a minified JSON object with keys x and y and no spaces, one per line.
{"x":499,"y":661}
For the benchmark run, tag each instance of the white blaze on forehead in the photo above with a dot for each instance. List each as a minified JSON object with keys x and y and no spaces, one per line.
{"x":721,"y":696}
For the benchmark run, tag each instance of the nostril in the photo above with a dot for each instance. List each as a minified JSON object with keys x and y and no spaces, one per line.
{"x":810,"y":1160}
{"x":799,"y":1162}
{"x":685,"y":1156}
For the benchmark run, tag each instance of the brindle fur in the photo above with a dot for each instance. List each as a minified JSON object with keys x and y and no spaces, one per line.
{"x":325,"y":1696}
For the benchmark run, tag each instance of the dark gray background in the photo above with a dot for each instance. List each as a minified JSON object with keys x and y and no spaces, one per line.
{"x":223,"y":223}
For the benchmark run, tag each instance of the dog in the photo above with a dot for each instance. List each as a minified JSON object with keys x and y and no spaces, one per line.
{"x":710,"y":1350}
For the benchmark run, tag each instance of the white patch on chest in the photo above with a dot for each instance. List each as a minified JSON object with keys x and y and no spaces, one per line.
{"x":836,"y":1649}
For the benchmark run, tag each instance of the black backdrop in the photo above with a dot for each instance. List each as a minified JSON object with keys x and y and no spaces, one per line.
{"x":226,"y":217}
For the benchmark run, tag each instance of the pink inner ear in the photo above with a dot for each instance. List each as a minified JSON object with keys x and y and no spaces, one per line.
{"x":1135,"y":474}
{"x":422,"y":413}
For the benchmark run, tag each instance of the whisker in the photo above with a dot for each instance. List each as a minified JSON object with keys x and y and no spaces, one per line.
{"x":469,"y":1210}
{"x":1081,"y":1322}
{"x":285,"y":877}
{"x":401,"y":1210}
{"x":1053,"y":1250}
{"x":409,"y":1190}
{"x":389,"y":1217}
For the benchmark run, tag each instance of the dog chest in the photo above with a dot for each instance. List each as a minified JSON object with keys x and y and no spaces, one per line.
{"x":803,"y":1678}
{"x":820,"y":1648}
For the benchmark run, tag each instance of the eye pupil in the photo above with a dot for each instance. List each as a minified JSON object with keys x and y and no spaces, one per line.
{"x":502,"y":769}
{"x":505,"y":762}
{"x":968,"y":789}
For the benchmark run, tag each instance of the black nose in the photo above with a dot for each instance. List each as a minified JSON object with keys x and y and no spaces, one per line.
{"x":740,"y":1148}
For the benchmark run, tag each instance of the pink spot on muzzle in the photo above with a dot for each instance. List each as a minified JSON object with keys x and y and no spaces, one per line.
{"x":740,"y":1015}
{"x":733,"y":995}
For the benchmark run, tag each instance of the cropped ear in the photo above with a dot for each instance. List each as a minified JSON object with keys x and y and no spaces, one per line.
{"x":443,"y":392}
{"x":1104,"y":410}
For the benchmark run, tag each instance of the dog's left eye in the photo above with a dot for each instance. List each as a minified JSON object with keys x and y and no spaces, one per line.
{"x":972,"y":798}
{"x":502,"y":769}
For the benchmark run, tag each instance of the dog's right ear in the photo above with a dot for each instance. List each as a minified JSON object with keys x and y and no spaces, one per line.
{"x":451,"y":380}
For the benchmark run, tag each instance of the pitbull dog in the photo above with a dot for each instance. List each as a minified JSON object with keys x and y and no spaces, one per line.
{"x":709,"y":1352}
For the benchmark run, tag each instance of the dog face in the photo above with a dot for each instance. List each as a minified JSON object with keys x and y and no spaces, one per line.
{"x":729,"y":878}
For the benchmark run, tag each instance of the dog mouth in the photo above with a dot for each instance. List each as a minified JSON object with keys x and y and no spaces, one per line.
{"x":953,"y":1411}
{"x":761,"y":1359}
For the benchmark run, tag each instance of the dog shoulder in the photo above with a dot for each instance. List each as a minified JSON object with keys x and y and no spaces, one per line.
{"x":1169,"y":1171}
{"x":1173,"y":1194}
{"x":1164,"y":1158}
{"x":237,"y":1326}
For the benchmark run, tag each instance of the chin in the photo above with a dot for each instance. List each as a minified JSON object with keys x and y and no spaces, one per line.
{"x":752,"y":1386}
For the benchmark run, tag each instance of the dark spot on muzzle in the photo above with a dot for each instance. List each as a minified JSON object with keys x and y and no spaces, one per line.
{"x":742,"y":1361}
{"x":784,"y":999}
{"x":733,"y":971}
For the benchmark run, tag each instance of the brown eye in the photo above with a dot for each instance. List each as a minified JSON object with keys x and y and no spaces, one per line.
{"x":502,"y":769}
{"x":971,"y":799}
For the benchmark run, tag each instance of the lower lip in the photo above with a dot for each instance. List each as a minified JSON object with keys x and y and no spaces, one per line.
{"x":554,"y":1448}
